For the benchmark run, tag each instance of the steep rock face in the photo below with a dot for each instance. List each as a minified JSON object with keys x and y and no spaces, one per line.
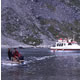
{"x":28,"y":21}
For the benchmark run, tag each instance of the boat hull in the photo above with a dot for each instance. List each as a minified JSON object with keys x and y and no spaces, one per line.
{"x":65,"y":50}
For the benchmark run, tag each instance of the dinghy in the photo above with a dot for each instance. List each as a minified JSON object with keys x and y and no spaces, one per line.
{"x":13,"y":63}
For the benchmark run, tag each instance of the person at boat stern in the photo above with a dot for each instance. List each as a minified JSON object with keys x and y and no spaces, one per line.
{"x":9,"y":54}
{"x":17,"y":56}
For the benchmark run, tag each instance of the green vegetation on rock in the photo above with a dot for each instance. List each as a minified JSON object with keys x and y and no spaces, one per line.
{"x":50,"y":7}
{"x":32,"y":41}
{"x":75,"y":2}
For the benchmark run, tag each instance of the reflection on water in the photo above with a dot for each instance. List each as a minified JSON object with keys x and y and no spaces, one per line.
{"x":43,"y":65}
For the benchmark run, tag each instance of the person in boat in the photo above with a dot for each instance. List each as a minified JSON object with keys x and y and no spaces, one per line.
{"x":9,"y":54}
{"x":17,"y":56}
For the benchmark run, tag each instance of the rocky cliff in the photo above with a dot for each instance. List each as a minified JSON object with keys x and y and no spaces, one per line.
{"x":36,"y":22}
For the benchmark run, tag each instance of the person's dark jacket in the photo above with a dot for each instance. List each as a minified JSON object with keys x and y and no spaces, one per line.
{"x":9,"y":54}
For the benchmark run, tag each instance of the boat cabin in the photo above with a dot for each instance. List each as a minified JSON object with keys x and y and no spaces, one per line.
{"x":65,"y":42}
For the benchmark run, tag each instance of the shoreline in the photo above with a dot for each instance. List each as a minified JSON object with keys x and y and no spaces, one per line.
{"x":25,"y":46}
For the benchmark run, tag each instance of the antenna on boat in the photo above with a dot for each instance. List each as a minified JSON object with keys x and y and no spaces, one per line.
{"x":73,"y":37}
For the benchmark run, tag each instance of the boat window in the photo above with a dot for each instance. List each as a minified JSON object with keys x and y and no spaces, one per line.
{"x":60,"y":44}
{"x":69,"y":44}
{"x":57,"y":44}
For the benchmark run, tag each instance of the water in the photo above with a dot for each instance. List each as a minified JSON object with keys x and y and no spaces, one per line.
{"x":41,"y":64}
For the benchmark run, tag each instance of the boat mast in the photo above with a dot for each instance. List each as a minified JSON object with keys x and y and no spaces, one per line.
{"x":73,"y":37}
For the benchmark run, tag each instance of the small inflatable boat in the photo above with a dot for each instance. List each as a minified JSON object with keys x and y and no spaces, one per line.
{"x":13,"y":63}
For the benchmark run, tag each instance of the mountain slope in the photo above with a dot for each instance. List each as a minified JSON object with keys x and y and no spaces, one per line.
{"x":27,"y":21}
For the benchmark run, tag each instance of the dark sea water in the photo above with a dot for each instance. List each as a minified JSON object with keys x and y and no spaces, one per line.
{"x":41,"y":64}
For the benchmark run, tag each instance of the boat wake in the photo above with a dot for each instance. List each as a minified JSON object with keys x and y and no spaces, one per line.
{"x":45,"y":57}
{"x":11,"y":63}
{"x":31,"y":60}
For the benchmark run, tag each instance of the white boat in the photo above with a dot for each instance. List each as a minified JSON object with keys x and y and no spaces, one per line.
{"x":65,"y":45}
